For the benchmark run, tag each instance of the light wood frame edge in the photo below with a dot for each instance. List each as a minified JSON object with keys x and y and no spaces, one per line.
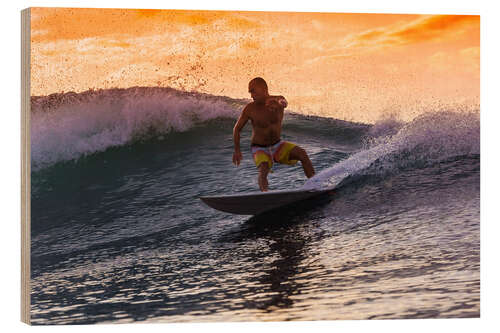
{"x":25,"y":164}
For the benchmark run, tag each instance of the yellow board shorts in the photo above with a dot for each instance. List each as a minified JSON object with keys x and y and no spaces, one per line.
{"x":278,"y":152}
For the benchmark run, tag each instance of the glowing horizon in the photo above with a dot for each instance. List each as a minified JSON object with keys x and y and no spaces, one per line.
{"x":350,"y":66}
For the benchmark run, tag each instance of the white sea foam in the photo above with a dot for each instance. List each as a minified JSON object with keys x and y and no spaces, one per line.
{"x":431,"y":137}
{"x":67,"y":126}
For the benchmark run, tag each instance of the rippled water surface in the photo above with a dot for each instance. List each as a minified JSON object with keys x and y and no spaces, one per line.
{"x":121,"y":236}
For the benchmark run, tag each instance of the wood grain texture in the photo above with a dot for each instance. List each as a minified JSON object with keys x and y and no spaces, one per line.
{"x":25,"y":164}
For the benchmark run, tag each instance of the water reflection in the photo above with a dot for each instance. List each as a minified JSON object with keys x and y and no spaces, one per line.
{"x":389,"y":248}
{"x":288,"y":238}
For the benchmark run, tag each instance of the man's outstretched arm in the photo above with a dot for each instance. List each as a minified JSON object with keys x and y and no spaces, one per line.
{"x":242,"y":120}
{"x":277,"y":102}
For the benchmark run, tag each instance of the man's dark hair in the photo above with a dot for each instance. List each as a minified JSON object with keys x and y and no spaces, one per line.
{"x":260,"y":81}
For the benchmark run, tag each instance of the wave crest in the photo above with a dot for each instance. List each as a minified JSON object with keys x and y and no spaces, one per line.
{"x":67,"y":126}
{"x":429,"y":138}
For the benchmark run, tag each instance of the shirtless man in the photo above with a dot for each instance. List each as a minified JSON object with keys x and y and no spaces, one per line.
{"x":266,"y":115}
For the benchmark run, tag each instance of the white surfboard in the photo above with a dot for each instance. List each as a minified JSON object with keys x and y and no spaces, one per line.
{"x":254,"y":203}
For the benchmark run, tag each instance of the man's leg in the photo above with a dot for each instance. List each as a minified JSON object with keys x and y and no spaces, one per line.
{"x":263,"y":172}
{"x":300,"y":154}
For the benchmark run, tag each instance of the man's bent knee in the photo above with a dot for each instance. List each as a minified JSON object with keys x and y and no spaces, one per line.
{"x":264,"y":167}
{"x":298,"y":153}
{"x":263,"y":172}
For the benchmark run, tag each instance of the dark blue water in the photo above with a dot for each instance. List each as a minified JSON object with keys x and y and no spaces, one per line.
{"x":119,"y":234}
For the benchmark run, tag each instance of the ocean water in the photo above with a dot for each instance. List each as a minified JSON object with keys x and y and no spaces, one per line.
{"x":118,"y":233}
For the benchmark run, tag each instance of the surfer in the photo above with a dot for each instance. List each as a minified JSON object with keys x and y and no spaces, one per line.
{"x":266,"y":116}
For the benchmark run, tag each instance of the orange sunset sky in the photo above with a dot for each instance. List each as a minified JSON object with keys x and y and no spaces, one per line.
{"x":350,"y":66}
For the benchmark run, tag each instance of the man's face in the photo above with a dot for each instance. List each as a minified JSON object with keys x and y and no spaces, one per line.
{"x":257,"y":92}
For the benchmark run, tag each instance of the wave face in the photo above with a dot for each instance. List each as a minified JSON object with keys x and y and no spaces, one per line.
{"x":118,"y":230}
{"x":68,"y":126}
{"x":390,"y":146}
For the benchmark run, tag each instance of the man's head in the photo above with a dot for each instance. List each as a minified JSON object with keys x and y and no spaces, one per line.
{"x":257,"y":88}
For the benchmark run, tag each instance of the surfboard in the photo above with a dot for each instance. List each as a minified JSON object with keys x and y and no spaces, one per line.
{"x":254,"y":203}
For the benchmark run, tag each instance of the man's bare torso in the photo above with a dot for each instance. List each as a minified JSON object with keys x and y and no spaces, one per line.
{"x":266,"y":124}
